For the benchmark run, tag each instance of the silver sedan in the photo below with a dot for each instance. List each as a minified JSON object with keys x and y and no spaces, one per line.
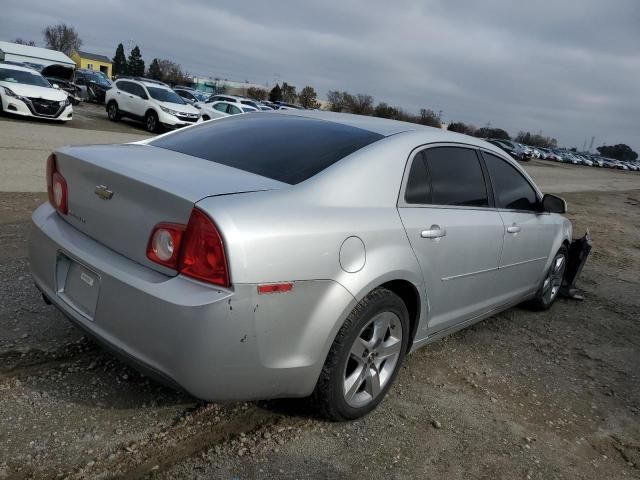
{"x":291,"y":254}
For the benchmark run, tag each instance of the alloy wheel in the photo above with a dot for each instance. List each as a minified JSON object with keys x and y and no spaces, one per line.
{"x":372,"y":359}
{"x":151,"y":123}
{"x":553,"y":282}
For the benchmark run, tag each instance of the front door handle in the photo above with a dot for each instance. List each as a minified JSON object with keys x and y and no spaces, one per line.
{"x":434,"y":232}
{"x":513,"y":229}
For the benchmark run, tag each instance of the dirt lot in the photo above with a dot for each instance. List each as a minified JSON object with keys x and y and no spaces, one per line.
{"x":520,"y":395}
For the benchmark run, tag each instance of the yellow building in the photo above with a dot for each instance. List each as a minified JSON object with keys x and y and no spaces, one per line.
{"x":91,"y":61}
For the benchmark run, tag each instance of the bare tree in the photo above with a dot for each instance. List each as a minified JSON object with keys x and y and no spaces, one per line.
{"x":62,"y":37}
{"x":29,"y":43}
{"x":360,"y":104}
{"x":336,"y":100}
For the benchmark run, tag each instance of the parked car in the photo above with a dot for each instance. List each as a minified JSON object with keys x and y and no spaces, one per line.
{"x":513,"y":149}
{"x":93,"y":86}
{"x":61,"y":76}
{"x":190,"y":95}
{"x":25,"y":92}
{"x":287,"y":255}
{"x":149,"y":101}
{"x":209,"y":111}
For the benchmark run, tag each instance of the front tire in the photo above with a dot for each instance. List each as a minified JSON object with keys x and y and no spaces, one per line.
{"x":552,"y":282}
{"x":365,"y":357}
{"x":151,"y":122}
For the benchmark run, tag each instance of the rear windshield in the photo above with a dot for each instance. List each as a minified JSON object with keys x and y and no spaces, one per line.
{"x":286,"y":148}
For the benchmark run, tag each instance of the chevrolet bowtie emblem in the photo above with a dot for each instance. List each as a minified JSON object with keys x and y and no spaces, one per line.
{"x":103,"y":192}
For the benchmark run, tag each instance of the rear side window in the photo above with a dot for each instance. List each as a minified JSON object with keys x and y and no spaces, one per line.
{"x":285,"y":148}
{"x":511,"y":189}
{"x":456,"y":177}
{"x":126,"y":86}
{"x":418,"y":186}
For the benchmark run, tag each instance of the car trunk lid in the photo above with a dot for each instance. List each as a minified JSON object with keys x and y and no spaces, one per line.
{"x":118,"y":193}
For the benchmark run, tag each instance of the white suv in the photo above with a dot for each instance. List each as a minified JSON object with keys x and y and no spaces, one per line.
{"x":25,"y":92}
{"x":151,"y":102}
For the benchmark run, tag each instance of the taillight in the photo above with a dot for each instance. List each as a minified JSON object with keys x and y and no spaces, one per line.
{"x":195,"y":250}
{"x":57,"y":187}
{"x":164,"y":244}
{"x":202,"y":256}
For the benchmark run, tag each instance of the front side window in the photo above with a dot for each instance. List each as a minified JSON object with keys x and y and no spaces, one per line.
{"x":511,"y":189}
{"x":418,"y":186}
{"x":233,"y":110}
{"x":456,"y":177}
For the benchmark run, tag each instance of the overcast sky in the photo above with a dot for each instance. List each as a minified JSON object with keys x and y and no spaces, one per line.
{"x":567,"y":68}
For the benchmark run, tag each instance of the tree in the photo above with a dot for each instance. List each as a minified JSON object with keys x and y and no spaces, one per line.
{"x":535,"y":140}
{"x":337,"y":100}
{"x":289,"y":94}
{"x":383,"y":110}
{"x":29,"y":43}
{"x":430,"y":118}
{"x":360,"y":104}
{"x":461,"y":127}
{"x":62,"y":37}
{"x":120,"y":66}
{"x":308,"y":98}
{"x":257,"y":93}
{"x":135,"y":64}
{"x":154,"y":71}
{"x":489,"y":132}
{"x":171,"y":72}
{"x":619,"y":152}
{"x":276,"y":94}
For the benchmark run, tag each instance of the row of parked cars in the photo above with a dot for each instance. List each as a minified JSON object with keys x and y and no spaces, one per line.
{"x":50,"y":92}
{"x":161,"y":107}
{"x":525,"y":152}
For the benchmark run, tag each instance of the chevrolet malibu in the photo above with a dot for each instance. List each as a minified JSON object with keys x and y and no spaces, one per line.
{"x":292,"y":254}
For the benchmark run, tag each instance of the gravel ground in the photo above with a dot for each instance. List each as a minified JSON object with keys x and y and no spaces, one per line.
{"x":520,"y":395}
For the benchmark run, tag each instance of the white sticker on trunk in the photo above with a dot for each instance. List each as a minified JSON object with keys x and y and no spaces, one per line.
{"x":87,"y":279}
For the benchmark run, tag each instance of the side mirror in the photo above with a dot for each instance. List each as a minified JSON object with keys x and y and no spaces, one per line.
{"x":56,"y":86}
{"x":553,"y":204}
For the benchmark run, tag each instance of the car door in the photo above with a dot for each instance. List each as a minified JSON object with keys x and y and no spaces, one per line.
{"x":124,"y":95}
{"x":233,"y":109}
{"x":529,"y":232}
{"x":455,"y":232}
{"x":138,"y":100}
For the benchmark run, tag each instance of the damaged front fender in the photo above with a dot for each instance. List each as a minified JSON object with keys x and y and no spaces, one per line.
{"x":578,"y":253}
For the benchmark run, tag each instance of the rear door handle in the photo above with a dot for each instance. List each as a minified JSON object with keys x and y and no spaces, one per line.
{"x":434,"y":232}
{"x":513,"y":229}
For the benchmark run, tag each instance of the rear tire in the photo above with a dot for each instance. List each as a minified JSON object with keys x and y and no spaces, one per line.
{"x":552,"y":282}
{"x":113,"y":112}
{"x":365,"y":357}
{"x":151,"y":122}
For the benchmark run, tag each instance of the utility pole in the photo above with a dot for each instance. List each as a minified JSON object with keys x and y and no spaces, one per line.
{"x":593,"y":138}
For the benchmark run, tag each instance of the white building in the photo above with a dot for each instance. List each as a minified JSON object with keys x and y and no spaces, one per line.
{"x":33,"y":56}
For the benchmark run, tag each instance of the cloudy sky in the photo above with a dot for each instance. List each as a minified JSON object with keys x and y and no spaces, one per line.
{"x":566,"y":68}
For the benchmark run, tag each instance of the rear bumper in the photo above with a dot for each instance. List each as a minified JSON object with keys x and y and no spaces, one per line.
{"x":217,"y":344}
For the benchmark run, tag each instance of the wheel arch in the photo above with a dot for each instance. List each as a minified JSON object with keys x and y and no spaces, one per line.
{"x":410,"y":295}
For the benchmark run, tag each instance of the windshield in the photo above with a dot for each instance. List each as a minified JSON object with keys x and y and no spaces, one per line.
{"x":20,"y":76}
{"x":165,"y":95}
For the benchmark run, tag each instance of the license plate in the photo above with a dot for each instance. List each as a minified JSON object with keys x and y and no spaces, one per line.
{"x":78,"y":286}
